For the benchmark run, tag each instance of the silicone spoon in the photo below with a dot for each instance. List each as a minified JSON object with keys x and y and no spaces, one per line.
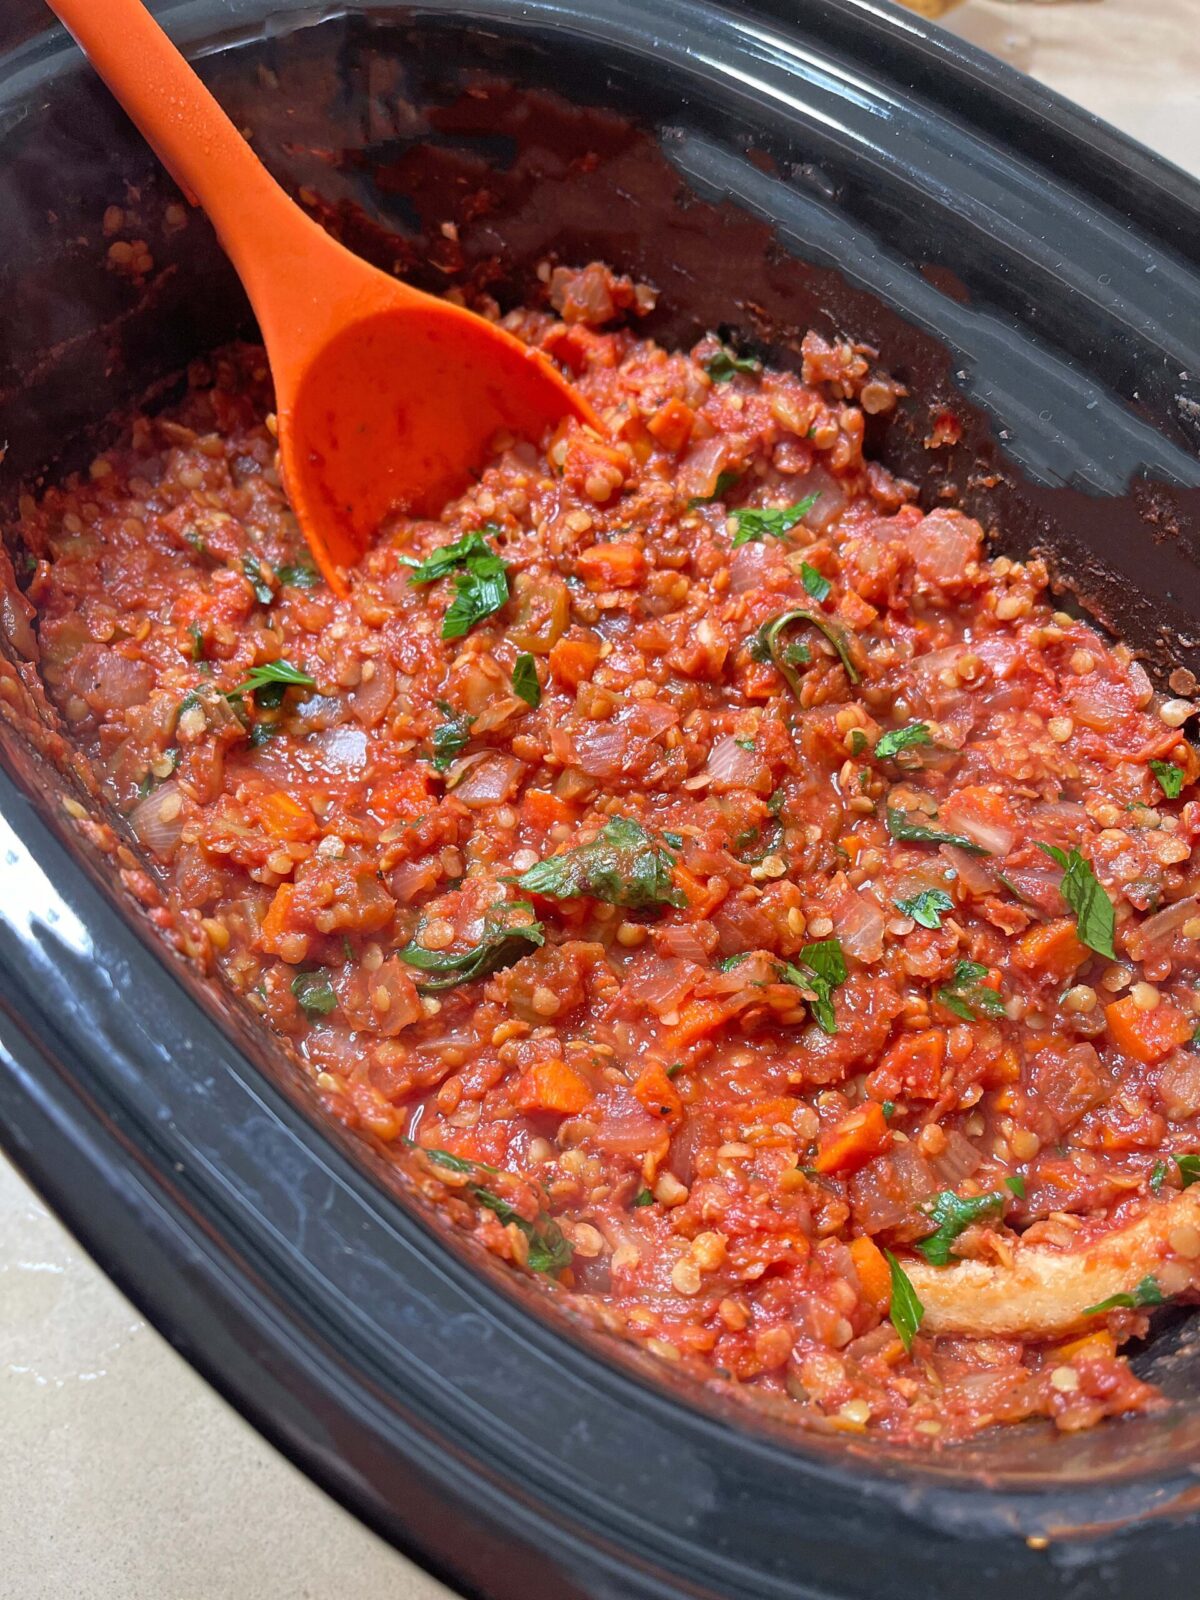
{"x":386,"y":397}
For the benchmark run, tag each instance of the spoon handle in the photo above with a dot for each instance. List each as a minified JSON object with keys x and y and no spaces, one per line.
{"x":260,"y":228}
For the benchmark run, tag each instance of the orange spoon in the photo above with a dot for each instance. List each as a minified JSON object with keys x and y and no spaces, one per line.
{"x":386,"y":397}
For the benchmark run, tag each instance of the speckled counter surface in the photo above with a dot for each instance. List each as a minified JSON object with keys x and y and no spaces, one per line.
{"x":122,"y":1476}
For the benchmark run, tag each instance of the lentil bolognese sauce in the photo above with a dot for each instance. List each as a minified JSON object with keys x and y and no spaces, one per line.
{"x":734,"y":894}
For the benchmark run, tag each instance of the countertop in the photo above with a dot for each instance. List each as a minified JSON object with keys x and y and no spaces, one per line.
{"x":122,"y":1475}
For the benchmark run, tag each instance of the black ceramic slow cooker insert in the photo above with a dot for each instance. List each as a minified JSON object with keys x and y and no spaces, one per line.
{"x":771,"y":167}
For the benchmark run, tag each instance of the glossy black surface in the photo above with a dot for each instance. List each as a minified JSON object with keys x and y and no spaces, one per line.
{"x":835,"y":165}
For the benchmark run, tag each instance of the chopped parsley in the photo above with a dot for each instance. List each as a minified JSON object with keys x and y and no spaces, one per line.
{"x":815,"y":582}
{"x":926,"y":908}
{"x":1145,"y":1293}
{"x":901,"y":826}
{"x":951,"y":1215}
{"x":623,"y":866}
{"x":1189,"y":1169}
{"x":1158,"y":1176}
{"x":1170,"y":778}
{"x":725,"y":362}
{"x":270,"y":682}
{"x":503,"y":941}
{"x":315,"y":993}
{"x":549,"y":1250}
{"x":819,"y":969}
{"x":253,"y":569}
{"x":1017,"y":1184}
{"x":525,"y":680}
{"x":755,"y":524}
{"x":906,"y":1310}
{"x":897,"y":739}
{"x":767,"y":646}
{"x":967,"y":996}
{"x":449,"y":737}
{"x":643,"y":1198}
{"x":480,"y":580}
{"x":197,"y":637}
{"x":298,"y":575}
{"x":1095,"y":919}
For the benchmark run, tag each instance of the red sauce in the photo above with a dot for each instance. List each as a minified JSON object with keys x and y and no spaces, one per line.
{"x":704,"y":950}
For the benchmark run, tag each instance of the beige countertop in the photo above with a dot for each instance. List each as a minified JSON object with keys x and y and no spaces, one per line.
{"x":122,"y":1476}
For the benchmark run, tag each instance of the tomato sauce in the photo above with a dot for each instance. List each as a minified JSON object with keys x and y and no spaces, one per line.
{"x":741,"y":899}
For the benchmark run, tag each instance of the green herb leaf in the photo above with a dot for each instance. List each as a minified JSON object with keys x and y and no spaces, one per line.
{"x":476,"y":596}
{"x":643,"y":1198}
{"x":754,"y":524}
{"x":1158,"y":1176}
{"x":906,"y":1310}
{"x":725,"y":482}
{"x":727,"y":963}
{"x":444,"y":1158}
{"x":525,"y":680}
{"x":819,"y":969}
{"x":509,"y":930}
{"x":624,"y":866}
{"x":889,"y":1109}
{"x":1189,"y":1169}
{"x":448,"y":558}
{"x":197,"y":638}
{"x":1095,"y":919}
{"x":1145,"y":1293}
{"x":548,"y":1247}
{"x":480,"y":580}
{"x":858,"y":742}
{"x":723,"y":363}
{"x":767,"y":646}
{"x":298,"y":575}
{"x":449,"y":737}
{"x":261,"y":732}
{"x":1170,"y":778}
{"x":967,"y":997}
{"x":815,"y":582}
{"x":1017,"y":1184}
{"x":253,"y":568}
{"x":926,"y":908}
{"x":901,"y":826}
{"x":951,"y":1215}
{"x":270,"y":682}
{"x":314,"y":992}
{"x":897,"y":739}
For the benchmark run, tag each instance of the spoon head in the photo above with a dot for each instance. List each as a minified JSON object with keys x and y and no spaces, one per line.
{"x":398,"y":411}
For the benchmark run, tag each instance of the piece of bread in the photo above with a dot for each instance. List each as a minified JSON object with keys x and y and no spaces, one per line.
{"x":1045,"y":1292}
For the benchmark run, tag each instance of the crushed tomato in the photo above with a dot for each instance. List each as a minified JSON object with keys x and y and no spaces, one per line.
{"x":693,"y":997}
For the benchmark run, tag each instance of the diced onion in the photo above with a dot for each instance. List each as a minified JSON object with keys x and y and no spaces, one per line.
{"x":731,"y":765}
{"x":155,"y":831}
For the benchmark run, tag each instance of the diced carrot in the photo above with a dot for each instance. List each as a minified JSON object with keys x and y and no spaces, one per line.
{"x":275,"y":923}
{"x":658,"y":1094}
{"x":1147,"y":1035}
{"x":1052,"y":947}
{"x":852,"y":843}
{"x":1091,"y":1346}
{"x":874,"y":1275}
{"x":619,"y":564}
{"x":555,"y":1087}
{"x":545,"y":810}
{"x":913,"y":1065}
{"x":672,"y":423}
{"x":855,"y":1139}
{"x":573,"y":659}
{"x":697,"y":1018}
{"x":855,"y":611}
{"x":702,"y":897}
{"x":284,"y":817}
